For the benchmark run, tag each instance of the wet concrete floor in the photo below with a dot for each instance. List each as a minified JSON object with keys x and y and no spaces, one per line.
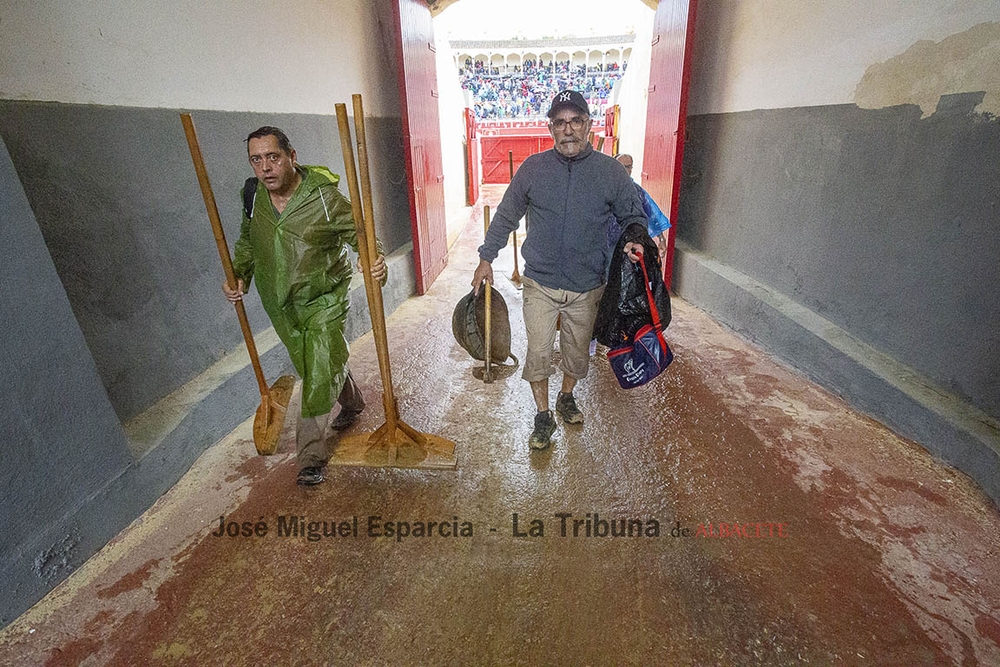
{"x":771,"y":525}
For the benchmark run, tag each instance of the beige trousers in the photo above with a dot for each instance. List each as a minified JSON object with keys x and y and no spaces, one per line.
{"x":542,"y":306}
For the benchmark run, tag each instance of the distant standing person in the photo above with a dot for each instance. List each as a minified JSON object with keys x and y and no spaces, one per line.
{"x":658,"y":224}
{"x":569,"y":192}
{"x":294,"y":240}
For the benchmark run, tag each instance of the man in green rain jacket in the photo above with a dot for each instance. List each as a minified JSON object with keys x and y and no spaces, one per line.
{"x":294,"y":242}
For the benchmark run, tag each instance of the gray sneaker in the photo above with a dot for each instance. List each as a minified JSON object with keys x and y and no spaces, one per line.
{"x":566,"y":407}
{"x":545,"y":426}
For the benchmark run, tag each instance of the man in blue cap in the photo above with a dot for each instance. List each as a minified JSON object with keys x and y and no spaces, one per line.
{"x":569,"y":192}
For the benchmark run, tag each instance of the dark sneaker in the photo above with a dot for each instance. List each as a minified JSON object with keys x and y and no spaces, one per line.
{"x":310,"y":476}
{"x":345,"y":419}
{"x":545,"y":426}
{"x":566,"y":407}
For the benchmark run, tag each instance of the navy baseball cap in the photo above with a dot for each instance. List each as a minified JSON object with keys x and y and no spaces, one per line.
{"x":571,"y":99}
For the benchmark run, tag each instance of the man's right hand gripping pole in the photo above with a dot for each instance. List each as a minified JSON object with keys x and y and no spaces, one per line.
{"x":483,"y":272}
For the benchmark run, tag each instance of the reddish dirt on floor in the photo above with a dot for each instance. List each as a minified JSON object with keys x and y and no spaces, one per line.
{"x":772,"y":525}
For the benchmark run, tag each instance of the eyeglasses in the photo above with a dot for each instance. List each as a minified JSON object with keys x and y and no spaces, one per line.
{"x":270,"y":158}
{"x":575,"y":123}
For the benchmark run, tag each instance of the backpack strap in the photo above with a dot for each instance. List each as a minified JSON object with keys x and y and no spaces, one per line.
{"x":249,"y":194}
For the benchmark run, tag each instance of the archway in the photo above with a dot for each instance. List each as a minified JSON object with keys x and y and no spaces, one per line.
{"x":662,"y":150}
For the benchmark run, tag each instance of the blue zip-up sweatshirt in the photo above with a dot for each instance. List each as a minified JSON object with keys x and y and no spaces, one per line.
{"x":568,"y":202}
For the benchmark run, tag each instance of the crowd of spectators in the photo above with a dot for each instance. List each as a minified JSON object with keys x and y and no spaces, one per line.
{"x":525,"y":91}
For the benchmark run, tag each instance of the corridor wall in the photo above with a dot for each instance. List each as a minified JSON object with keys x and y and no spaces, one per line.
{"x":839,"y":204}
{"x":122,"y":304}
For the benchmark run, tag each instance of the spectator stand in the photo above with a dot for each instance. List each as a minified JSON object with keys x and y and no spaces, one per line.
{"x":509,"y":85}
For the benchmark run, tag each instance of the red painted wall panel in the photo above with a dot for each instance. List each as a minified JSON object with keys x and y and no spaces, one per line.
{"x":421,"y":139}
{"x":663,"y":153}
{"x":524,"y":138}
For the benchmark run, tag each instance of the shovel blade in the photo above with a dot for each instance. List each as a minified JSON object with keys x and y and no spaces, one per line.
{"x":373,"y":449}
{"x":270,"y":418}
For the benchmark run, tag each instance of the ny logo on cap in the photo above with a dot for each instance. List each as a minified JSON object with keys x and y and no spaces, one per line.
{"x":564,"y":97}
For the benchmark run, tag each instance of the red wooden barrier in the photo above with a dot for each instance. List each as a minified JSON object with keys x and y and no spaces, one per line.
{"x":524,"y":138}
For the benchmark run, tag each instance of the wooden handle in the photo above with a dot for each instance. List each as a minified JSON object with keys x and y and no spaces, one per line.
{"x":366,"y":182}
{"x":220,"y":242}
{"x":489,"y":303}
{"x":510,"y":164}
{"x":364,"y":224}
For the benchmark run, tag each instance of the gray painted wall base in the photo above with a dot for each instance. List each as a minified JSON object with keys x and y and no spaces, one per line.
{"x":880,"y":220}
{"x":950,"y":428}
{"x":62,"y":544}
{"x":117,"y":201}
{"x":70,"y":479}
{"x":113,"y":279}
{"x":401,"y":285}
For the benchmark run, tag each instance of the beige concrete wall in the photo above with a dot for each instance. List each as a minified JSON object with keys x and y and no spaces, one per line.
{"x":634,"y":92}
{"x":839,"y":198}
{"x":296,"y":56}
{"x":773,"y":54}
{"x":451,"y":105}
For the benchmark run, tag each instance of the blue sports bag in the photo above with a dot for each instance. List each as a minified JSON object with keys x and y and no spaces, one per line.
{"x":647,"y":354}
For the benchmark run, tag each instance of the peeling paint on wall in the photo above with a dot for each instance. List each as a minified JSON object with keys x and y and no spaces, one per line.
{"x":880,"y":221}
{"x":965,"y":62}
{"x":780,"y":54}
{"x":49,"y":564}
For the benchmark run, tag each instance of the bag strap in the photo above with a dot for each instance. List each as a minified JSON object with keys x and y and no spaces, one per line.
{"x":649,"y":294}
{"x":249,"y":193}
{"x":657,"y":324}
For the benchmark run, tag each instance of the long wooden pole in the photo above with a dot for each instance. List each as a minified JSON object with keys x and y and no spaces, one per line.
{"x":488,"y":371}
{"x":389,"y":397}
{"x":516,"y":276}
{"x":366,"y":250}
{"x":402,"y":444}
{"x":270,"y":416}
{"x":220,"y":241}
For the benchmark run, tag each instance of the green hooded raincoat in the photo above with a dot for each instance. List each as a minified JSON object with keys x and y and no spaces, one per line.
{"x":303,"y":273}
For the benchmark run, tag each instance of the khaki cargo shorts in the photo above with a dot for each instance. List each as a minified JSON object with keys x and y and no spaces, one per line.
{"x":542,"y":306}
